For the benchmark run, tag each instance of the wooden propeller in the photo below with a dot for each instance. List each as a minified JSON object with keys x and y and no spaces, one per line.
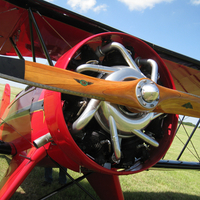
{"x":176,"y":102}
{"x":122,"y":93}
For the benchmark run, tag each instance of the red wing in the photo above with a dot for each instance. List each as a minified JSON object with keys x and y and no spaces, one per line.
{"x":60,"y":32}
{"x":186,"y":79}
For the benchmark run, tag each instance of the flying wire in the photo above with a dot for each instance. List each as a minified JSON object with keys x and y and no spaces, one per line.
{"x":187,"y":147}
{"x":191,"y":142}
{"x":54,"y":30}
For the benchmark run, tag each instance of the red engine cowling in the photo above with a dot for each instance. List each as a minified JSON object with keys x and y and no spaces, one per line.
{"x":101,"y":136}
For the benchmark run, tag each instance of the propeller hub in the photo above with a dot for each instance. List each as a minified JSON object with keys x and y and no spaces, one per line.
{"x":150,"y":93}
{"x":147,"y":93}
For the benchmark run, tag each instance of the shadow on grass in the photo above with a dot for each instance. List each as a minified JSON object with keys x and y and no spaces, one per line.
{"x":31,"y":189}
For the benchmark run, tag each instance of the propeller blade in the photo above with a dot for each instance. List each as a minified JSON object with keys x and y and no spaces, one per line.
{"x":69,"y":82}
{"x":176,"y":102}
{"x":128,"y":93}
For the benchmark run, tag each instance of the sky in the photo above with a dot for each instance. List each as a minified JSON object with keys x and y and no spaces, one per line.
{"x":172,"y":24}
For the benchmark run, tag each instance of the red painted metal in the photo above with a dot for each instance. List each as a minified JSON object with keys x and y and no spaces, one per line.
{"x":18,"y":170}
{"x":5,"y":100}
{"x":109,"y":184}
{"x":16,"y":26}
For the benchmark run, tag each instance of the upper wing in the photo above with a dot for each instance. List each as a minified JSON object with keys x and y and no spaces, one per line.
{"x":61,"y":29}
{"x":184,"y":70}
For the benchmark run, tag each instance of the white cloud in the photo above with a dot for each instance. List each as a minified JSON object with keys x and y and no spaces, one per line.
{"x":99,"y":8}
{"x":195,"y":2}
{"x":85,"y":5}
{"x":142,"y":4}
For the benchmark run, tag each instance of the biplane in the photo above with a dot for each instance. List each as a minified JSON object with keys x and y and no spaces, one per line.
{"x":108,"y":107}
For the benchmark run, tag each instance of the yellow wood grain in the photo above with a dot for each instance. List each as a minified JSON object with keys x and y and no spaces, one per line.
{"x":176,"y":102}
{"x":122,"y":92}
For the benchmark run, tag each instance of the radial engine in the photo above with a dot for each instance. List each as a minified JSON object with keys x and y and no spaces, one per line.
{"x":110,"y":135}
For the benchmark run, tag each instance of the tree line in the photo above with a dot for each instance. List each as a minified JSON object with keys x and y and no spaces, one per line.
{"x":188,"y":123}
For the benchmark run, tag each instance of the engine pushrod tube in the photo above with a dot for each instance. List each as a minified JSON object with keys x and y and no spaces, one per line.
{"x":114,"y":138}
{"x":115,"y":45}
{"x":86,"y":116}
{"x":96,"y":68}
{"x":145,"y":137}
{"x":154,"y":67}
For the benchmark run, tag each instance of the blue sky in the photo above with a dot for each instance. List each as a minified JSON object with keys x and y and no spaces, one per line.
{"x":172,"y":24}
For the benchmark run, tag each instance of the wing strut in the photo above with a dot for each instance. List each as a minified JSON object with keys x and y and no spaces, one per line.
{"x":31,"y":18}
{"x":31,"y":35}
{"x":189,"y":139}
{"x":73,"y":181}
{"x":16,"y":49}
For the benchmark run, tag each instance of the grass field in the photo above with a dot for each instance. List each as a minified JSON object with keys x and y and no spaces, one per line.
{"x":152,"y":184}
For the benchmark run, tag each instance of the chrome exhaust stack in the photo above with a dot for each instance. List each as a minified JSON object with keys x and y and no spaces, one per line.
{"x":41,"y":141}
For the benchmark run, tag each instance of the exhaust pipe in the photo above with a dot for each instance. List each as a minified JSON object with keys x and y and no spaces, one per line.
{"x":41,"y":141}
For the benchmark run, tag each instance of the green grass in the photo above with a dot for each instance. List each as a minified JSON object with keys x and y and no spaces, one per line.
{"x":152,"y":184}
{"x":177,"y":145}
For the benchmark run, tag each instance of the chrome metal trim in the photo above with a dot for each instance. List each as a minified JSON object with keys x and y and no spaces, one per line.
{"x":125,"y":73}
{"x":153,"y":64}
{"x":41,"y":141}
{"x":144,"y":98}
{"x":115,"y":45}
{"x":145,"y":137}
{"x":114,"y":138}
{"x":96,"y":68}
{"x":125,"y":124}
{"x":86,"y":116}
